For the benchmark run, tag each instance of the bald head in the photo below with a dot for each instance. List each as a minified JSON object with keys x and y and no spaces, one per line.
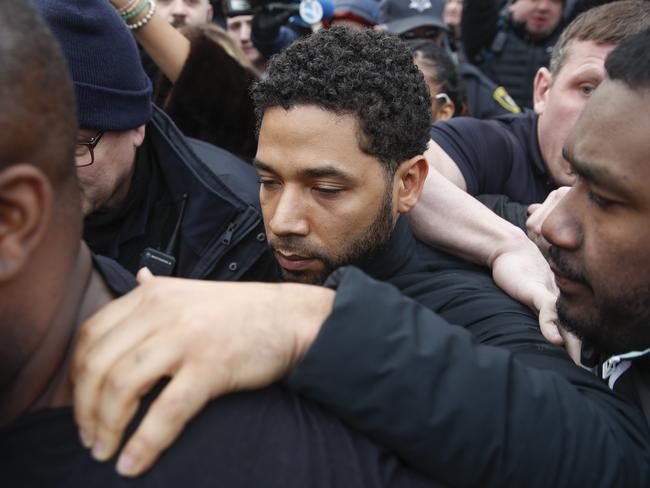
{"x":37,"y":114}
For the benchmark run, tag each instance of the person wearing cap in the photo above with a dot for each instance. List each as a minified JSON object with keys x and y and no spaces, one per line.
{"x":150,"y":196}
{"x":239,"y":24}
{"x":422,"y":19}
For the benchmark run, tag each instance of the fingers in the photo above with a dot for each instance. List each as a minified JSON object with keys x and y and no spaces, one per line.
{"x":532,"y":208}
{"x":144,"y":275}
{"x":129,"y":379}
{"x":91,"y":366}
{"x":573,"y":345}
{"x":103,"y":321}
{"x":548,"y":326}
{"x":180,"y":401}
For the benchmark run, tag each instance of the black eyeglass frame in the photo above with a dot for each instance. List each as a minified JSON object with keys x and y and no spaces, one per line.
{"x":91,"y":144}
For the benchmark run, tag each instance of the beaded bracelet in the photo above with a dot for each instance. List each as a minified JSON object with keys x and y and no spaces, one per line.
{"x":144,"y":20}
{"x":136,"y":11}
{"x":129,"y":6}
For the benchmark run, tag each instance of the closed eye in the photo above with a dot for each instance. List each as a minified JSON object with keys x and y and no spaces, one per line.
{"x":600,"y":201}
{"x":327,"y":190}
{"x":268,"y":183}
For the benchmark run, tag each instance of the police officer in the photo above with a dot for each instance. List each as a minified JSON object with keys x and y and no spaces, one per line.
{"x":520,"y":156}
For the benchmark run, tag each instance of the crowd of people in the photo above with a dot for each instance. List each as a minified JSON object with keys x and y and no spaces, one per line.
{"x":355,"y":243}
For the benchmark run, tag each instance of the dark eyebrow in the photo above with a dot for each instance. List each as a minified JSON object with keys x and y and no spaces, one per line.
{"x":598,"y":175}
{"x":262,"y":166}
{"x":311,"y":173}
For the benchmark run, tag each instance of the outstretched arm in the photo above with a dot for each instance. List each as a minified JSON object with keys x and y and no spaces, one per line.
{"x":467,"y":414}
{"x":450,"y":219}
{"x":167,"y":47}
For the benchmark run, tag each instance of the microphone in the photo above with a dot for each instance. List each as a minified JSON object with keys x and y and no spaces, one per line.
{"x":270,"y":34}
{"x":314,"y":11}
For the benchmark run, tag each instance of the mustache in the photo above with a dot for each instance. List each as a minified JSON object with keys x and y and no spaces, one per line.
{"x":297,"y":245}
{"x":561,"y":263}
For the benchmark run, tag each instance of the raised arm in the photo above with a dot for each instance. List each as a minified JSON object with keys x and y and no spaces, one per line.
{"x":450,"y":219}
{"x":167,"y":47}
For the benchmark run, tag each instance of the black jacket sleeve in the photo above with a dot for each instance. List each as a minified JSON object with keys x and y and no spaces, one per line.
{"x":464,"y":413}
{"x":514,"y":212}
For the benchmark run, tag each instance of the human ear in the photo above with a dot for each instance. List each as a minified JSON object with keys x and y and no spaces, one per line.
{"x":542,"y":85}
{"x":25,"y":213}
{"x":410,"y":178}
{"x":446,"y":112}
{"x":138,"y":136}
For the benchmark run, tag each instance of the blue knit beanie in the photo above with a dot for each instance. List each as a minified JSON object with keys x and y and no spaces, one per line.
{"x":113,"y":91}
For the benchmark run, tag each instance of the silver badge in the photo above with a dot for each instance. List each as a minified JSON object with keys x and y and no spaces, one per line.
{"x":420,"y":5}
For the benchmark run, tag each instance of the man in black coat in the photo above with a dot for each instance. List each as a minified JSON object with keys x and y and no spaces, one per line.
{"x":150,"y":195}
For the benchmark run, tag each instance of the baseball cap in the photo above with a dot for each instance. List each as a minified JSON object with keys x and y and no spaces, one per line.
{"x":401,"y":16}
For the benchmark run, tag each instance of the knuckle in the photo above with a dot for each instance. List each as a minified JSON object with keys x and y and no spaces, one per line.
{"x":86,"y":335}
{"x":90,"y":367}
{"x":109,"y":431}
{"x":117,"y":385}
{"x":174,"y":407}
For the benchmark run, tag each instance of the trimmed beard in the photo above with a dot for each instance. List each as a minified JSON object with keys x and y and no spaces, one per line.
{"x":357,"y":253}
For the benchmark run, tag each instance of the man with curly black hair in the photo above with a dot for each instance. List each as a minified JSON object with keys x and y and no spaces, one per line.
{"x":340,"y":149}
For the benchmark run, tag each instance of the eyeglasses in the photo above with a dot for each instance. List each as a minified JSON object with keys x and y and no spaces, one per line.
{"x":425,"y":32}
{"x":443,"y":97}
{"x":85,"y":152}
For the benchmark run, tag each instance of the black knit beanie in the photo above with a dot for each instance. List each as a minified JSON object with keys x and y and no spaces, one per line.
{"x":113,"y":91}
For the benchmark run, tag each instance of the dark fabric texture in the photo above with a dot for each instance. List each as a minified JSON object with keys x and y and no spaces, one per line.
{"x":116,"y":277}
{"x":221,"y":231}
{"x":497,"y":156}
{"x":451,"y":403}
{"x":482,"y":94}
{"x":113,"y":92}
{"x":513,"y":212}
{"x":515,"y":64}
{"x":211,"y":99}
{"x":269,"y":438}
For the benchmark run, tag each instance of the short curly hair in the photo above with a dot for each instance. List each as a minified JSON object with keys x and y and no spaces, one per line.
{"x":370,"y":75}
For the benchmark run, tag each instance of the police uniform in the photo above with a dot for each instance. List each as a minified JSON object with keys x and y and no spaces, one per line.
{"x":485,"y":98}
{"x":498,"y":156}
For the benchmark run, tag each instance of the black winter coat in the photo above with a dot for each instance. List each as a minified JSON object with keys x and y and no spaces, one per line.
{"x":221,"y":233}
{"x":487,"y":404}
